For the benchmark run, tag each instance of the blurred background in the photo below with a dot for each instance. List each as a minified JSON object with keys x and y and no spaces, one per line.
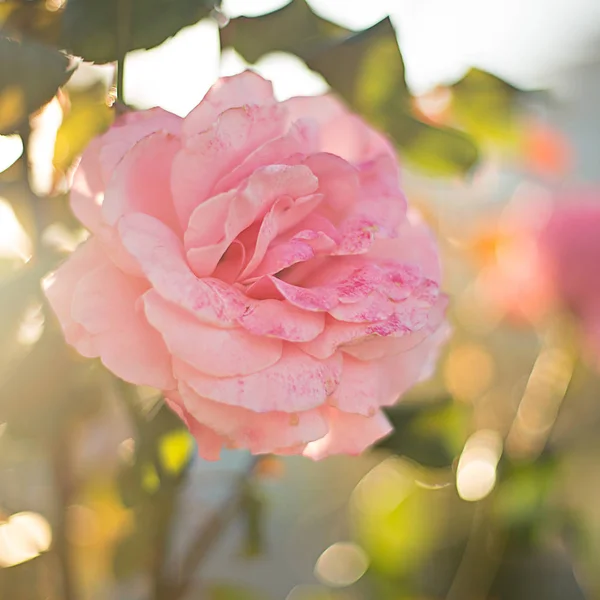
{"x":489,"y":487}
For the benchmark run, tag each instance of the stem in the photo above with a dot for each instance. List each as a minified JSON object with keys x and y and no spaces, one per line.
{"x":61,"y":464}
{"x":221,"y":517}
{"x":123,"y":32}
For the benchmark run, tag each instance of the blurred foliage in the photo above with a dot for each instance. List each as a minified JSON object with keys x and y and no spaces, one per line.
{"x":430,"y":434}
{"x":364,"y":68}
{"x":30,"y":75}
{"x":89,"y":28}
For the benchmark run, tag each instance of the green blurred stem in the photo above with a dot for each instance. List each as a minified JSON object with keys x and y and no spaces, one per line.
{"x":124,"y":9}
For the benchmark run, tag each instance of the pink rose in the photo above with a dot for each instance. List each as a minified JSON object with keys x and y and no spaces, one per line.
{"x":256,"y":263}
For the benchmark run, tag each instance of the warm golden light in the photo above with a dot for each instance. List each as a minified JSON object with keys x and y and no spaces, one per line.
{"x":14,"y":242}
{"x":23,"y":537}
{"x":11,"y":148}
{"x":342,"y":564}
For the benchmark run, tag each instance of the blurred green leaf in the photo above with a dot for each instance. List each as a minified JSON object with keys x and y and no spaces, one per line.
{"x":89,"y":27}
{"x":396,"y":520}
{"x":294,"y":28}
{"x":87,"y":116}
{"x":521,"y":499}
{"x":487,"y":107}
{"x":426,"y":433}
{"x":30,"y":75}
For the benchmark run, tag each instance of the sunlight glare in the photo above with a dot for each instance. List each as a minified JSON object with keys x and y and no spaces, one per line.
{"x":11,"y":148}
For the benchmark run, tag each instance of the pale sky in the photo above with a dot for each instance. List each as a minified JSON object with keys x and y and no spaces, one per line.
{"x":522,"y":40}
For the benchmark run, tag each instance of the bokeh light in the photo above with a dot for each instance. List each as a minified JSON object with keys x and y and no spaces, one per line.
{"x":23,"y":536}
{"x":342,"y":564}
{"x":476,"y":473}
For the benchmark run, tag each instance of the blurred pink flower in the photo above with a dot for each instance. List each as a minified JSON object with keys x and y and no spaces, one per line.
{"x":547,"y":256}
{"x":254,"y":261}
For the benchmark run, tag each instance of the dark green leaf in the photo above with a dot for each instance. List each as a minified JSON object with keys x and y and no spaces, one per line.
{"x":294,"y":28}
{"x":366,"y":69}
{"x":30,"y":75}
{"x":420,"y":432}
{"x":89,"y":27}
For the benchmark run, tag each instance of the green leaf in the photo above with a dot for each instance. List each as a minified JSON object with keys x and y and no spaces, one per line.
{"x":30,"y":75}
{"x":294,"y":28}
{"x":89,"y":27}
{"x":426,"y":433}
{"x":366,"y":69}
{"x":487,"y":107}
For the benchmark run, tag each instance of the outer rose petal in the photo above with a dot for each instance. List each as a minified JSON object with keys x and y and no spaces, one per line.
{"x":229,"y":92}
{"x":213,"y":351}
{"x":341,"y":132}
{"x":105,"y":304}
{"x":296,"y":383}
{"x":60,"y":286}
{"x":87,"y":189}
{"x":141,"y":181}
{"x":348,"y":434}
{"x":259,"y":433}
{"x":129,"y":129}
{"x":209,"y":442}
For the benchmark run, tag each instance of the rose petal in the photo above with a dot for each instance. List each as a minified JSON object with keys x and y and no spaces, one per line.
{"x":228,"y":92}
{"x":296,"y":383}
{"x":348,"y":434}
{"x":141,"y":182}
{"x":209,"y":155}
{"x":259,"y":433}
{"x":213,"y":351}
{"x":278,"y":319}
{"x":160,"y":255}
